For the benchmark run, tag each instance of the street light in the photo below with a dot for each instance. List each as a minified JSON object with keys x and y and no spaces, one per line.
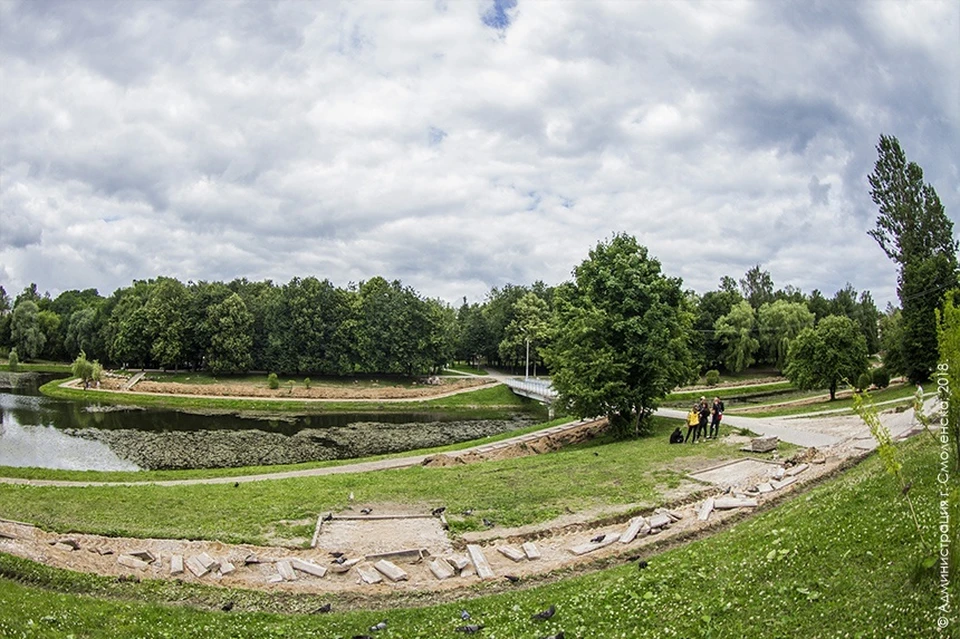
{"x":526,"y":374}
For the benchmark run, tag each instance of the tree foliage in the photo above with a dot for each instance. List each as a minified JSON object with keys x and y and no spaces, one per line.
{"x":229,"y":325}
{"x":25,"y":330}
{"x":948,"y":368}
{"x":779,"y":323}
{"x":735,"y":331}
{"x":757,"y":286}
{"x":914,"y":231}
{"x":824,"y":356}
{"x":620,"y":336}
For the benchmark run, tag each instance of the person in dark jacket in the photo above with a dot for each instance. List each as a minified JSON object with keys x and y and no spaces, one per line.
{"x":716,"y":414}
{"x":676,"y":437}
{"x":704,"y":411}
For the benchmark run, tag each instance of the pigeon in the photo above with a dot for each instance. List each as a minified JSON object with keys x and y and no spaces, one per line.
{"x":227,"y":607}
{"x":487,"y":523}
{"x":339,"y":560}
{"x":327,"y":517}
{"x":906,"y":488}
{"x":512,"y":578}
{"x":366,"y":511}
{"x":470,"y":629}
{"x":559,"y":635}
{"x":468,"y":512}
{"x":324,"y":608}
{"x":362,"y":637}
{"x":236,"y":484}
{"x":543,"y":615}
{"x":436,"y":512}
{"x":643,"y":564}
{"x":379,"y":626}
{"x":464,"y":615}
{"x":598,"y":539}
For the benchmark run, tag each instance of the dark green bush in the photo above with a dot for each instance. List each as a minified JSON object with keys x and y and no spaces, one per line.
{"x":272,"y":381}
{"x":864,"y":381}
{"x":881,"y":377}
{"x":713,"y":377}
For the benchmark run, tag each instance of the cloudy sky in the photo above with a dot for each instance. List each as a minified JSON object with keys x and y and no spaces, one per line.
{"x":458,"y":145}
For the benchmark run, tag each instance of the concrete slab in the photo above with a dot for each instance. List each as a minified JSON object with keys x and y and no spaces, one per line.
{"x":308,"y":567}
{"x":484,"y":571}
{"x":390,"y":570}
{"x":530,"y":550}
{"x":512,"y":553}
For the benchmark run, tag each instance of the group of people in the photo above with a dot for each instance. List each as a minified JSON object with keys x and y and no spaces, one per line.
{"x":700,"y":415}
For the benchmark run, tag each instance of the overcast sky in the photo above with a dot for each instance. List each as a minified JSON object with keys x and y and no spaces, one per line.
{"x":461,"y":145}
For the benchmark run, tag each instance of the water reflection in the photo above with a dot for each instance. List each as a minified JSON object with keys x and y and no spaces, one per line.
{"x":38,"y":431}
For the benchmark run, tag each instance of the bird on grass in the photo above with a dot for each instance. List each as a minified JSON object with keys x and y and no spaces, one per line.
{"x":236,"y":484}
{"x":324,"y":608}
{"x":327,"y":517}
{"x":468,"y":512}
{"x":464,"y":615}
{"x":559,"y":635}
{"x":366,"y":511}
{"x":436,"y":512}
{"x":377,"y":627}
{"x":512,"y":578}
{"x":487,"y":523}
{"x":470,"y":628}
{"x":642,"y":564}
{"x":543,"y":615}
{"x":227,"y":607}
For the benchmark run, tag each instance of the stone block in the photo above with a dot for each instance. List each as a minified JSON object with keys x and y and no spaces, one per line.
{"x":132,"y":562}
{"x":530,"y":550}
{"x":796,"y":470}
{"x":512,"y":553}
{"x":392,"y":571}
{"x":633,"y":529}
{"x":705,"y":509}
{"x":285,"y":570}
{"x":368,"y":575}
{"x":764,"y":444}
{"x":484,"y":571}
{"x":441,"y":569}
{"x":308,"y":567}
{"x":176,"y":564}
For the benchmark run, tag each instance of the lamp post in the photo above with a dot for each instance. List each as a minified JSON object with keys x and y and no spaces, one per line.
{"x":526,"y":373}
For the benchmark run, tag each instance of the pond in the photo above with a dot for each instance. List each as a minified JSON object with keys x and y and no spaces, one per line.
{"x":42,"y":432}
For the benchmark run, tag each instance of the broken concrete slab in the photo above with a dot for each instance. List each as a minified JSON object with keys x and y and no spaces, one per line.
{"x":484,"y":571}
{"x":729,"y":503}
{"x":251,"y":559}
{"x":764,"y":444}
{"x":132,"y":562}
{"x":412,"y":553}
{"x":197,"y":567}
{"x":285,"y":570}
{"x":530,"y":550}
{"x":226,"y":568}
{"x":308,"y":567}
{"x":705,"y":509}
{"x":176,"y":564}
{"x":765,"y":488}
{"x":66,"y":544}
{"x":796,"y":470}
{"x":390,"y":570}
{"x":369,"y":575}
{"x":777,"y":485}
{"x":143,"y":555}
{"x":208,"y":562}
{"x":633,"y":529}
{"x":512,"y":553}
{"x":458,"y":561}
{"x":659,"y":521}
{"x":441,"y":569}
{"x":778,"y":472}
{"x":590,"y":546}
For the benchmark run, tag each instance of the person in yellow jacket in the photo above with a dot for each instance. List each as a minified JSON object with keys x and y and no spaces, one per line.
{"x":693,"y":423}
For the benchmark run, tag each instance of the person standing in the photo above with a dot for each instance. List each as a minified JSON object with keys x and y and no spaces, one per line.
{"x":704,"y":417}
{"x":716,"y":414}
{"x":693,"y":418}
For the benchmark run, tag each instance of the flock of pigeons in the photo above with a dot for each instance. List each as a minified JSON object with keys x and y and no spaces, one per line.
{"x":471,"y":628}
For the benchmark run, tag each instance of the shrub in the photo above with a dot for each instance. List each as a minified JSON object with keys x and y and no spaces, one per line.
{"x":13,"y":360}
{"x":306,"y":382}
{"x":272,"y":381}
{"x":713,"y":377}
{"x":864,"y":381}
{"x":881,"y":377}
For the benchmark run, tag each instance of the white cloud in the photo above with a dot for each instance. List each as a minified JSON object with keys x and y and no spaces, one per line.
{"x":414,"y":141}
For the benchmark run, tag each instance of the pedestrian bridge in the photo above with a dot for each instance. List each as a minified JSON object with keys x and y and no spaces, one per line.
{"x":536,"y":389}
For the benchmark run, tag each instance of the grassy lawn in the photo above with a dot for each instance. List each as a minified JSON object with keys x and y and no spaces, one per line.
{"x":512,"y":492}
{"x":904,"y":392}
{"x":489,"y":397}
{"x":38,"y":367}
{"x":466,"y":368}
{"x":840,"y":562}
{"x":683,"y":398}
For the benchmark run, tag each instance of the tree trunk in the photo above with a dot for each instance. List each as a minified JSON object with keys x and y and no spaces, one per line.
{"x":833,"y":391}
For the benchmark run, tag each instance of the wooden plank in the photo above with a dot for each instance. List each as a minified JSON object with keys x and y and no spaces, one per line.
{"x":369,"y":575}
{"x":633,"y":529}
{"x":484,"y":571}
{"x":308,"y":567}
{"x":391,"y":570}
{"x":132,"y":562}
{"x":530,"y":550}
{"x":176,"y":564}
{"x":796,"y":470}
{"x":441,"y":569}
{"x":728,"y":503}
{"x":705,"y":509}
{"x":196,"y":566}
{"x":512,"y":553}
{"x":659,"y":521}
{"x":590,"y":546}
{"x":285,"y":569}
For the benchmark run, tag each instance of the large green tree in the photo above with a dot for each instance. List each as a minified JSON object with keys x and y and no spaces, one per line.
{"x":228,"y":325}
{"x":757,"y":286}
{"x":25,"y":330}
{"x":620,"y":336}
{"x":824,"y":356}
{"x":779,"y":323}
{"x":529,"y":325}
{"x":914,"y":231}
{"x":736,"y":332}
{"x":711,"y":307}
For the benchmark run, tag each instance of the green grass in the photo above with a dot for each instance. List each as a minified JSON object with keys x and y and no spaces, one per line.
{"x":599,"y":474}
{"x":498,"y":396}
{"x":684,"y":397}
{"x":839,"y":562}
{"x":466,"y":368}
{"x":38,"y":367}
{"x":904,"y":392}
{"x":204,"y":473}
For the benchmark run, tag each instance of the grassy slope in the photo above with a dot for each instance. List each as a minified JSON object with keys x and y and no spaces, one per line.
{"x":511,"y":492}
{"x":839,"y":562}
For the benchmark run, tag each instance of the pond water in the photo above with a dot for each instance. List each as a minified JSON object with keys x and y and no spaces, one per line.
{"x":49,"y":433}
